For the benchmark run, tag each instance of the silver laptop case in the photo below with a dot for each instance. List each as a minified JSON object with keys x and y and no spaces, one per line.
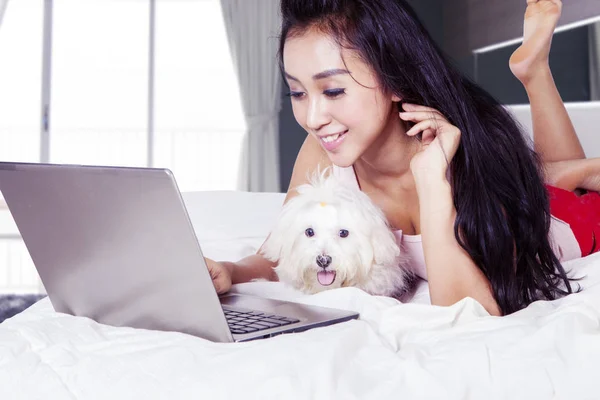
{"x":116,"y":245}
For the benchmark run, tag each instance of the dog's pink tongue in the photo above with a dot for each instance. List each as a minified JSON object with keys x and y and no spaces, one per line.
{"x":326,"y":278}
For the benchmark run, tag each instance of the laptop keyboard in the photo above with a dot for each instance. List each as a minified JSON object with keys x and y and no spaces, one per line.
{"x":241,"y":322}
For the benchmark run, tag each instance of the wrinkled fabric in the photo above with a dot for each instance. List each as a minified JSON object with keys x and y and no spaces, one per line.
{"x":395,"y":350}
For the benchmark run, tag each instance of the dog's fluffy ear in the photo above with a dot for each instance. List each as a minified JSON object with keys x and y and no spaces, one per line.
{"x":383,"y":241}
{"x":385,"y":247}
{"x":278,"y":244}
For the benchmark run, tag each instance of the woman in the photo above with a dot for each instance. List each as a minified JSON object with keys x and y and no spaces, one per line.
{"x":384,"y":108}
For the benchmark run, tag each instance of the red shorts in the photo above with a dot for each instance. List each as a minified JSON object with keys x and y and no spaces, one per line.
{"x":582,"y":213}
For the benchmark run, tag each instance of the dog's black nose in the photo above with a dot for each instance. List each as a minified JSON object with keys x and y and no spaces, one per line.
{"x":323,"y":261}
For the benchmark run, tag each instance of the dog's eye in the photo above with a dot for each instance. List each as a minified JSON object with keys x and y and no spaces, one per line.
{"x":309,"y":232}
{"x":344,"y":233}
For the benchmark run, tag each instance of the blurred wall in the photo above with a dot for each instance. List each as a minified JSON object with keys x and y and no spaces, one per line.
{"x":446,"y":21}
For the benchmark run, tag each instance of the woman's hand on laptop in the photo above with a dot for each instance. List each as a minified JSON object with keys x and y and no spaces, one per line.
{"x":220,"y":274}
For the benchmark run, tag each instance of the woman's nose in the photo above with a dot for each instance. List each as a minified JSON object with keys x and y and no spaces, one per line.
{"x":316,"y":116}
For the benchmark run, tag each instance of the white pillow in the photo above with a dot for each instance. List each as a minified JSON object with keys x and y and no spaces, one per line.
{"x":232,"y":224}
{"x":585,"y":117}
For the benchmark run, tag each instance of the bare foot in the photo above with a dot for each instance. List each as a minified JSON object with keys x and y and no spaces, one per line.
{"x":531,"y":57}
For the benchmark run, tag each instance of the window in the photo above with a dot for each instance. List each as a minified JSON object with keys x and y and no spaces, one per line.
{"x":99,"y":91}
{"x":100,"y":104}
{"x":20,"y":104}
{"x":21,"y":80}
{"x":199,"y":122}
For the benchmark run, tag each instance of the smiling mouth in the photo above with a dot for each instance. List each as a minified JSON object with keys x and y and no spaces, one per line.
{"x":332,"y":142}
{"x":326,"y":278}
{"x":333,"y":138}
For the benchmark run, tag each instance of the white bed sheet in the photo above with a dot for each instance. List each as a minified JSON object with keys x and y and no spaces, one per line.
{"x":411,"y":351}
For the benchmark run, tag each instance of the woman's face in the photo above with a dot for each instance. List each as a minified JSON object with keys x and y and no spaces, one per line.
{"x":338,"y":103}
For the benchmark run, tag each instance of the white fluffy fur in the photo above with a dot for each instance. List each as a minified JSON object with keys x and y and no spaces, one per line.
{"x":368,"y":258}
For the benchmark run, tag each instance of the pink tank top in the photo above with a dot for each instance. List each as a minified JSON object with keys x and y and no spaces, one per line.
{"x":562,"y":239}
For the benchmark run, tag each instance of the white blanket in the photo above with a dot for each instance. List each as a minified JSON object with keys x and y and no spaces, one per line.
{"x":399,"y":351}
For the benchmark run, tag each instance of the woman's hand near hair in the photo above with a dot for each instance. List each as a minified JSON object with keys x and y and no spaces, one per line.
{"x":439,"y":141}
{"x":451,"y":272}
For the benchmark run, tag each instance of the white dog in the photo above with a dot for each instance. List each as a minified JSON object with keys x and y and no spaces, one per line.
{"x":331,"y":236}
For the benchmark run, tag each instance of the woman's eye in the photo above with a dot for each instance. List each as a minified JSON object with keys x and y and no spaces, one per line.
{"x":309,"y":232}
{"x":295,"y":95}
{"x":344,"y":233}
{"x":333,"y":93}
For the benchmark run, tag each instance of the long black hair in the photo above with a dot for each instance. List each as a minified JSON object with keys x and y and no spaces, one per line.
{"x":503,"y":212}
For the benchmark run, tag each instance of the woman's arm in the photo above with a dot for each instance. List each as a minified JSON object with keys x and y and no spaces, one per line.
{"x":451,"y":272}
{"x":251,"y":267}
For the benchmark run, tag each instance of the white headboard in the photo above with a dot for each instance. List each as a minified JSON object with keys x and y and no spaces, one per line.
{"x":585,"y":117}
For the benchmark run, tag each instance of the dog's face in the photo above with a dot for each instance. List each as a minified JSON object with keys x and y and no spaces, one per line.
{"x":328,"y":245}
{"x":329,"y":236}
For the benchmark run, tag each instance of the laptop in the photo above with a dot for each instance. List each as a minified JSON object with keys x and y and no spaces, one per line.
{"x":116,"y":245}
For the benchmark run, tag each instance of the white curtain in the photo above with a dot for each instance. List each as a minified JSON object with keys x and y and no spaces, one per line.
{"x":252,"y":28}
{"x":3,"y":4}
{"x":594,"y":44}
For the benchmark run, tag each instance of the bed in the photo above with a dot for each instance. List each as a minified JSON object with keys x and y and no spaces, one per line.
{"x":395,"y":350}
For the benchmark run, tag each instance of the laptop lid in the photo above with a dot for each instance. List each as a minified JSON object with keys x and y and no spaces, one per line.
{"x":114,"y":244}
